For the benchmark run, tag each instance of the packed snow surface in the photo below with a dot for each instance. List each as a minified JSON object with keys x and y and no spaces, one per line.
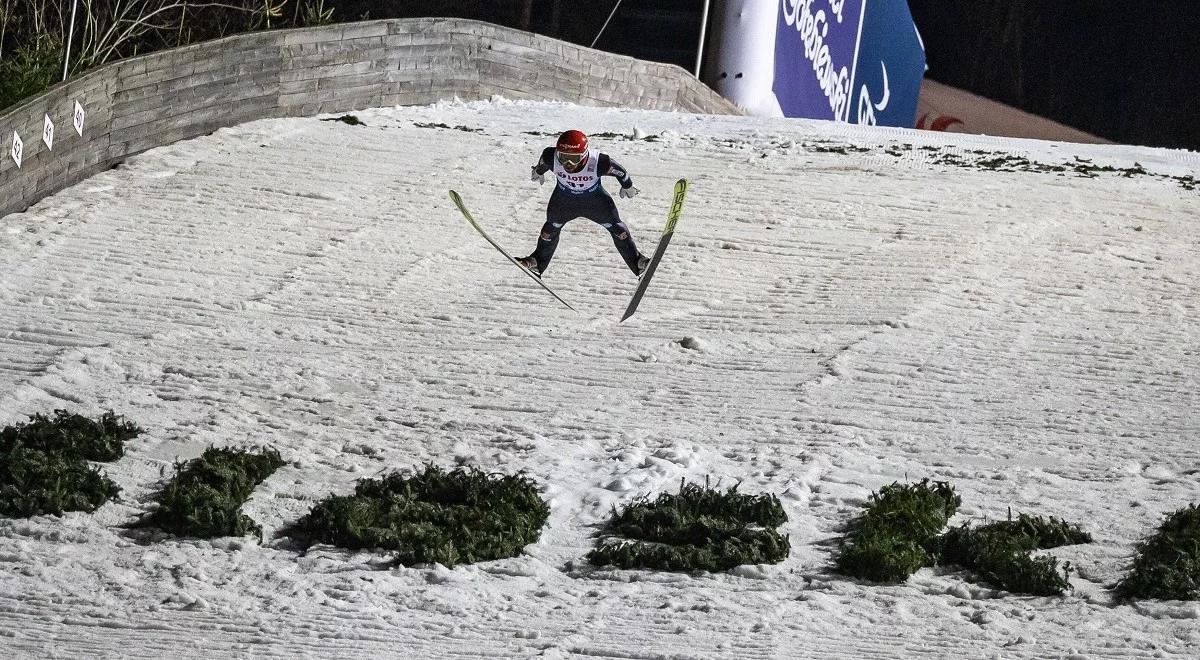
{"x":841,"y":308}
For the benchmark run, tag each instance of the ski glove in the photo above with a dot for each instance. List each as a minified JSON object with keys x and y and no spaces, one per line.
{"x":628,"y":192}
{"x":534,"y":176}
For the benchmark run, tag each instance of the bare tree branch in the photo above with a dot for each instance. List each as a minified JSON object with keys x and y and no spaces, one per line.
{"x":116,"y":28}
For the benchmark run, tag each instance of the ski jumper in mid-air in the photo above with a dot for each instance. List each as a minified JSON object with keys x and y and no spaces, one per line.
{"x":578,"y":193}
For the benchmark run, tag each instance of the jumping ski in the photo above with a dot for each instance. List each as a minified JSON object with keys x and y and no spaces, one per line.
{"x":668,"y":231}
{"x":457,"y":199}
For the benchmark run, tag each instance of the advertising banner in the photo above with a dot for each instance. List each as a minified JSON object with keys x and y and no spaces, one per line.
{"x":816,"y":42}
{"x":889,"y":67}
{"x":857,"y":61}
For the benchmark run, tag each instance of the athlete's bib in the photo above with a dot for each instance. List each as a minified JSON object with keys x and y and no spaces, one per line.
{"x":585,"y":180}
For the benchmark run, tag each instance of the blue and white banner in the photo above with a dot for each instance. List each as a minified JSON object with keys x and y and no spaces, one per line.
{"x":857,"y":61}
{"x":889,"y":67}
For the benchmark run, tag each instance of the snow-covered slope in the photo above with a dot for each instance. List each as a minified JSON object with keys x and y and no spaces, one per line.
{"x":825,"y":324}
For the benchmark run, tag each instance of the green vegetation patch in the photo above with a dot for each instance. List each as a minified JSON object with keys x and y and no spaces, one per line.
{"x":34,"y":67}
{"x":901,"y":533}
{"x":996,"y":161}
{"x":699,"y":529}
{"x":465,"y":129}
{"x":604,"y":135}
{"x":205,"y":497}
{"x":450,"y":518}
{"x":834,"y":148}
{"x":351,"y":120}
{"x":101,"y":439}
{"x":35,"y":482}
{"x":44,"y":466}
{"x":1000,"y":553}
{"x":1167,"y":565}
{"x":892,"y":539}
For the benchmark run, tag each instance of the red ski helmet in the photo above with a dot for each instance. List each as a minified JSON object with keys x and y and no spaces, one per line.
{"x":571,"y":149}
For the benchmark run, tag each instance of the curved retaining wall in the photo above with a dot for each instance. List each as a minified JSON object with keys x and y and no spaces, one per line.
{"x":137,"y":104}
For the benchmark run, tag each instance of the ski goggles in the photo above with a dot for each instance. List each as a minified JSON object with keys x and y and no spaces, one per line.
{"x":570,"y":161}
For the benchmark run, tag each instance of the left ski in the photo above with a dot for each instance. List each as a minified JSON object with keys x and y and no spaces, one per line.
{"x":457,"y":199}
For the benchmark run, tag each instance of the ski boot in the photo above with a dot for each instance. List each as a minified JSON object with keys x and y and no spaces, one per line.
{"x":643,"y":262}
{"x":530,"y":264}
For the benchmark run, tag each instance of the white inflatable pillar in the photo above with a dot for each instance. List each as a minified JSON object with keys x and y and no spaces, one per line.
{"x":743,"y":68}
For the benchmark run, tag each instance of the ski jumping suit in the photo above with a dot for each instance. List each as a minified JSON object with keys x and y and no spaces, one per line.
{"x":579,"y":194}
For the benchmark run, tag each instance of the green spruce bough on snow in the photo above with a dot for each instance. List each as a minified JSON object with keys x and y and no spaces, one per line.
{"x":205,"y":497}
{"x":352,"y":120}
{"x":462,"y":516}
{"x":44,"y":465}
{"x":699,"y":529}
{"x":1000,"y":553}
{"x":899,"y":533}
{"x":102,"y":439}
{"x":889,"y":541}
{"x":1167,"y":566}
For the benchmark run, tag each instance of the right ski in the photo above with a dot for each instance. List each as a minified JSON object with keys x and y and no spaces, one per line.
{"x":457,"y":199}
{"x":663,"y":242}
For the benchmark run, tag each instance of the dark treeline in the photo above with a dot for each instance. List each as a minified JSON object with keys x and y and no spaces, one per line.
{"x":34,"y":33}
{"x":150,"y":24}
{"x":1127,"y":71}
{"x":572,"y":21}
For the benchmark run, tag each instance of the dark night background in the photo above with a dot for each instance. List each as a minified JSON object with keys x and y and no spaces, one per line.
{"x":1126,"y":71}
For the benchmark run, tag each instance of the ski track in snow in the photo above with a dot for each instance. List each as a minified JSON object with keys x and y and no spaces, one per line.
{"x":854,"y":320}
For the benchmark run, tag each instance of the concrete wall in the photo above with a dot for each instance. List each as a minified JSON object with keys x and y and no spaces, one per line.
{"x":137,"y":104}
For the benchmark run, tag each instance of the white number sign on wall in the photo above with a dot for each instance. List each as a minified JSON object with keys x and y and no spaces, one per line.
{"x":48,"y":133}
{"x":79,"y":117}
{"x":17,"y":148}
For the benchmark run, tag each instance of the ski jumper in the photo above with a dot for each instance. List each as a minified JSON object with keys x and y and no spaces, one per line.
{"x":580,"y":195}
